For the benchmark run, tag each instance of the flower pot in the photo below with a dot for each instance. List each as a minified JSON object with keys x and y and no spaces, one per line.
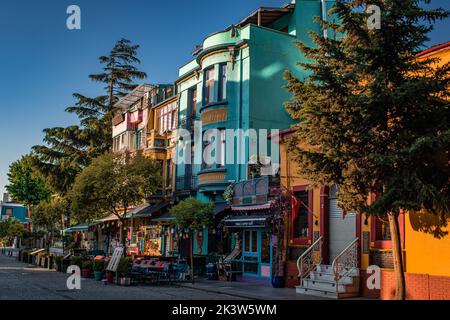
{"x":278,"y":282}
{"x":86,"y":273}
{"x":98,"y":275}
{"x":124,"y":282}
{"x":110,"y":277}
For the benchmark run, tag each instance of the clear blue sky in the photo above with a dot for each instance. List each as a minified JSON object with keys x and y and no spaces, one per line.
{"x":42,"y":63}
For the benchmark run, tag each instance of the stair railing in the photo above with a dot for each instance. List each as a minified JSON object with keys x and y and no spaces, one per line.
{"x":345,"y":262}
{"x":308,"y":260}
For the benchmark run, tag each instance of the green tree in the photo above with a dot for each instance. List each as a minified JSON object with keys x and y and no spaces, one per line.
{"x":372,"y":118}
{"x":113,"y":183}
{"x":9,"y":230}
{"x":25,"y":184}
{"x":67,"y":150}
{"x":193,"y":215}
{"x":49,"y":215}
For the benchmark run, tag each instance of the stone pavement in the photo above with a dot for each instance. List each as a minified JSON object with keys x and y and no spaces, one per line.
{"x":248,"y":290}
{"x":19,"y":281}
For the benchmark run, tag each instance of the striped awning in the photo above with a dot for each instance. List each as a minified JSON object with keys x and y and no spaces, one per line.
{"x":264,"y":206}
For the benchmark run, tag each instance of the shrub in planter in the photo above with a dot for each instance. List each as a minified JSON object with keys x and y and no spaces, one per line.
{"x":86,"y":269}
{"x":99,"y":268}
{"x":123,"y":270}
{"x":76,"y":261}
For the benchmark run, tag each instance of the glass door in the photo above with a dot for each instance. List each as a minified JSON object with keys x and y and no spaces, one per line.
{"x":250,"y":254}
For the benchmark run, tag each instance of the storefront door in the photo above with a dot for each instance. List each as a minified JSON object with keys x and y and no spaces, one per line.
{"x":256,"y":254}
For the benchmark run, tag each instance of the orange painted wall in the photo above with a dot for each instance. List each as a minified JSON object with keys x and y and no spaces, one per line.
{"x":427,"y":244}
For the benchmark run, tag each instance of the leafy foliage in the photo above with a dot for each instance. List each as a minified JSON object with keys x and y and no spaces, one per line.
{"x":25,"y":184}
{"x":49,"y":213}
{"x":372,"y":117}
{"x":192,"y":214}
{"x":68,"y":150}
{"x":112,"y":183}
{"x":10,"y":229}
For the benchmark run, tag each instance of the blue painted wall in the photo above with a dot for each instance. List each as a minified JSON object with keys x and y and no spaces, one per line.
{"x":19,"y":212}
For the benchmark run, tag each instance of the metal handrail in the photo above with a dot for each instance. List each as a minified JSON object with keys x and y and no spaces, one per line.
{"x":348,"y":258}
{"x":306,"y":260}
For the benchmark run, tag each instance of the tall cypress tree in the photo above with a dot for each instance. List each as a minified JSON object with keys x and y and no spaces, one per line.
{"x":69,"y":149}
{"x":372,"y":118}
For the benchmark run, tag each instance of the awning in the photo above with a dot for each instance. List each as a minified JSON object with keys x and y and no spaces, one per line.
{"x":111,"y":217}
{"x":132,"y":97}
{"x":254,"y":221}
{"x":82,"y":226}
{"x":220,"y":207}
{"x":165,"y":217}
{"x":264,"y":206}
{"x":149,"y":210}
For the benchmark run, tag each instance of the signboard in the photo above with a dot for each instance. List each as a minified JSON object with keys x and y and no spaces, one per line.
{"x":114,"y":262}
{"x":246,"y":223}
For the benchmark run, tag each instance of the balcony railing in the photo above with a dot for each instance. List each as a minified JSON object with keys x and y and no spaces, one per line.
{"x":251,"y":192}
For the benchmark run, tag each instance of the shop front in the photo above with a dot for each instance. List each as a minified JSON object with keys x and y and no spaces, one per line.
{"x":252,"y":250}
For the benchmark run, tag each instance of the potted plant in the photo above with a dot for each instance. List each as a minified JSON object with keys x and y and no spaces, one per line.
{"x":99,"y":269}
{"x":57,"y":263}
{"x":76,"y":261}
{"x":123,"y":270}
{"x":86,"y":269}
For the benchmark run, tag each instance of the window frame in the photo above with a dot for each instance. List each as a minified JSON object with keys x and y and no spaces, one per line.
{"x":223,"y":82}
{"x":207,"y":82}
{"x":302,"y":240}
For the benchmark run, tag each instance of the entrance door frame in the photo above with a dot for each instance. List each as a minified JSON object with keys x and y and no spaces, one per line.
{"x":257,"y":254}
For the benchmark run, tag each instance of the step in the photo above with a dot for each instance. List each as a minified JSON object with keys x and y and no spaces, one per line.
{"x":315,"y":275}
{"x":328,"y":269}
{"x":316,"y":293}
{"x":329,"y":286}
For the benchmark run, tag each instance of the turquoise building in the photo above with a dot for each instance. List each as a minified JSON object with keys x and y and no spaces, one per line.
{"x":11,"y":210}
{"x":236,"y":81}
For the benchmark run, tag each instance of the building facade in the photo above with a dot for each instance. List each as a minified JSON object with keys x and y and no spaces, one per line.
{"x":318,"y":221}
{"x":235,"y":84}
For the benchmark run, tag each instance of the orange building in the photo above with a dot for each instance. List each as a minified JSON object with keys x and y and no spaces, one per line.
{"x":320,"y":232}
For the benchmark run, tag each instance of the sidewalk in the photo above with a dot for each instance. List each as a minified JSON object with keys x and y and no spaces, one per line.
{"x":247,"y":290}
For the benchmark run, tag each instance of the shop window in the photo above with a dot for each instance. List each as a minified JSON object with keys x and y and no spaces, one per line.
{"x":251,"y":241}
{"x":301,"y":218}
{"x":222,"y":82}
{"x":209,"y":86}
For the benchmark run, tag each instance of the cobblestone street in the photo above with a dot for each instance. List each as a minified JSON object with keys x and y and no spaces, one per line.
{"x":18,"y":281}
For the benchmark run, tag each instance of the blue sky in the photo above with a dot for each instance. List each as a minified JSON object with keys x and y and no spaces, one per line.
{"x":42,"y":63}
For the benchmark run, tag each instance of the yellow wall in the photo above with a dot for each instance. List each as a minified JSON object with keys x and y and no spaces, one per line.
{"x":426,"y":236}
{"x":427,"y":244}
{"x":290,"y":178}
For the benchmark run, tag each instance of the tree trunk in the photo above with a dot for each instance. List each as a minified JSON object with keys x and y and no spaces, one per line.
{"x":191,"y":242}
{"x":124,"y":235}
{"x":397,"y":255}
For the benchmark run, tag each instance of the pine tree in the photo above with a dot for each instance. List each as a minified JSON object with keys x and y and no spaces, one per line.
{"x":372,"y":118}
{"x":69,"y":149}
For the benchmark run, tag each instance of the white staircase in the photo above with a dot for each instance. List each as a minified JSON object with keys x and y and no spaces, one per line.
{"x":339,"y":280}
